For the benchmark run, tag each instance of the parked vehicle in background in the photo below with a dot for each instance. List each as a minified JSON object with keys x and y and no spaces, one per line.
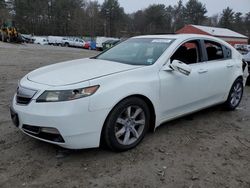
{"x":9,"y":33}
{"x":40,"y":40}
{"x":27,"y":38}
{"x":248,"y":47}
{"x":91,"y":45}
{"x":110,"y":43}
{"x":241,"y":47}
{"x":119,"y":95}
{"x":73,"y":42}
{"x":101,"y":40}
{"x":55,"y":40}
{"x":87,"y":45}
{"x":246,"y":58}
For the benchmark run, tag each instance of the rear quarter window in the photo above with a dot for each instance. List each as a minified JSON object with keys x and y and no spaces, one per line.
{"x":227,"y":52}
{"x":214,"y":50}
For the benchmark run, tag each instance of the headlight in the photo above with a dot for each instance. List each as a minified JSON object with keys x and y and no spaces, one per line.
{"x":67,"y":95}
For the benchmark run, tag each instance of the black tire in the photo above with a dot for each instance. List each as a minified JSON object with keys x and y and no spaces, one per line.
{"x":229,"y":104}
{"x":109,"y":134}
{"x":248,"y":81}
{"x":66,"y":44}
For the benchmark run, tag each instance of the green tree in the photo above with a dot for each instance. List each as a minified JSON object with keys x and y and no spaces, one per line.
{"x":93,"y":19}
{"x":227,"y":18}
{"x":247,"y":25}
{"x":239,"y":23}
{"x":45,"y":17}
{"x":178,"y":16}
{"x":113,"y":17}
{"x":4,"y":14}
{"x":156,"y":18}
{"x":138,"y":22}
{"x":169,"y":19}
{"x":194,"y":12}
{"x":212,"y":21}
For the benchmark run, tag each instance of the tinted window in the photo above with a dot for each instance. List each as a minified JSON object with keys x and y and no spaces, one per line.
{"x":188,"y":53}
{"x":214,"y":50}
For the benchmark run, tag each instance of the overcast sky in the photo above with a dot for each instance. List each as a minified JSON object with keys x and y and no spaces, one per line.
{"x":213,"y":6}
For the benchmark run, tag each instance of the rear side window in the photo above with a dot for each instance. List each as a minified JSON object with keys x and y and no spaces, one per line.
{"x":214,"y":50}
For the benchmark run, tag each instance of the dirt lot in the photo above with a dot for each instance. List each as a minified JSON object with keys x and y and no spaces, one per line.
{"x":208,"y":149}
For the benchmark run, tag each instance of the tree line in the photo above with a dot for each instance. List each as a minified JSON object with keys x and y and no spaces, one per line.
{"x":90,"y":18}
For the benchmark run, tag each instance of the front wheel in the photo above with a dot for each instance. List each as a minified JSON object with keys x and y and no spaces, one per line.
{"x":235,"y":95}
{"x":127,"y":124}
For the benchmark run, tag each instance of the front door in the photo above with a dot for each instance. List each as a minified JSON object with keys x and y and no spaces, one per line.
{"x":180,"y":94}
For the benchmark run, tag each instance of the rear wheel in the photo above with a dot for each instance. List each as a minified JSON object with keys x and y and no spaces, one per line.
{"x":235,"y":95}
{"x":127,"y":124}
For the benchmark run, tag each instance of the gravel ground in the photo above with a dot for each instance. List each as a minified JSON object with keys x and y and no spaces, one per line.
{"x":210,"y":148}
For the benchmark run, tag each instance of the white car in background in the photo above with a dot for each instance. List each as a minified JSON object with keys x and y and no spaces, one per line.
{"x":73,"y":42}
{"x":40,"y":40}
{"x":55,"y":40}
{"x":117,"y":96}
{"x":246,"y":57}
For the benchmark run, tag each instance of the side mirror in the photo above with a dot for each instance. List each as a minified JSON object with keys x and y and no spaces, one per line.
{"x":181,"y":67}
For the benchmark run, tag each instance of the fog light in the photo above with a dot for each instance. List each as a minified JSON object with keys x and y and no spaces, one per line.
{"x":49,"y":130}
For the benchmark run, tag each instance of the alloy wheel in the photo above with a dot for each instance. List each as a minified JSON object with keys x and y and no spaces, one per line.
{"x":236,"y":94}
{"x":130,"y":125}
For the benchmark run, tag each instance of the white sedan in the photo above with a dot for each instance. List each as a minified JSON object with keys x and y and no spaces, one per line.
{"x":119,"y":95}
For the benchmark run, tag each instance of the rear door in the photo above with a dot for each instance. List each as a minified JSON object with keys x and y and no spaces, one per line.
{"x":220,"y":67}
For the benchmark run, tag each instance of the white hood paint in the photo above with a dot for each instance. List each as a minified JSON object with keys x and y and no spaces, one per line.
{"x":75,"y":71}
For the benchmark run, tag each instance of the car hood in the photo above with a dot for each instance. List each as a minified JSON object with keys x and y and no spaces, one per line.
{"x":76,"y":71}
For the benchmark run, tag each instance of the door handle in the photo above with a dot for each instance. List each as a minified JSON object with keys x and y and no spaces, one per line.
{"x":202,"y":71}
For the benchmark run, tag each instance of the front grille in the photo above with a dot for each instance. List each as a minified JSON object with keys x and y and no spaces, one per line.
{"x":24,"y":95}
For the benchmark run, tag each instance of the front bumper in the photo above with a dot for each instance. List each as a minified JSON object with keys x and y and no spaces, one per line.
{"x":78,"y":127}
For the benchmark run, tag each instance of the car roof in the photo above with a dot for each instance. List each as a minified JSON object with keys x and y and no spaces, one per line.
{"x":183,"y":37}
{"x":177,"y":36}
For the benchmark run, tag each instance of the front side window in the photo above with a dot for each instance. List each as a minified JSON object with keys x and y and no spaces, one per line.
{"x":137,"y":51}
{"x":214,"y":50}
{"x":188,"y":53}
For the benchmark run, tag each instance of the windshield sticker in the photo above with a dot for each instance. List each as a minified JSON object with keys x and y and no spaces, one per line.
{"x":161,"y":41}
{"x":150,"y":61}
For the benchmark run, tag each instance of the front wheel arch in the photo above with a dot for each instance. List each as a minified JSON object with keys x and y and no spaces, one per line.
{"x":150,"y":107}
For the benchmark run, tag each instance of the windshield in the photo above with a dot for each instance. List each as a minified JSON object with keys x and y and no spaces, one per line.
{"x":137,"y":51}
